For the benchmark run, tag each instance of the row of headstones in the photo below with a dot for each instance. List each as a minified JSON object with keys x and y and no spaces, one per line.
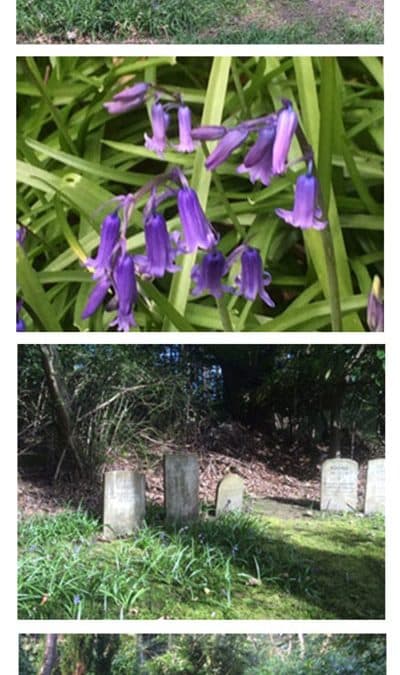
{"x":124,"y":492}
{"x":124,"y":495}
{"x":339,"y":486}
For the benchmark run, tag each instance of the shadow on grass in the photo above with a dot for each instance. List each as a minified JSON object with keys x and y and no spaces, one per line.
{"x":348,"y":582}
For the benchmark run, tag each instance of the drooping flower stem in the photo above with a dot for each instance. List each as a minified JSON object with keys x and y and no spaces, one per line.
{"x":224,"y":315}
{"x":325,"y":151}
{"x":239,"y":89}
{"x":334,"y":294}
{"x":218,"y":184}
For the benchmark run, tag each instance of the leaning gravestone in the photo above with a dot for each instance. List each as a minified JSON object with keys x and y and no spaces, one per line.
{"x":229,"y":494}
{"x":181,"y":487}
{"x":339,"y":485}
{"x":124,"y":503}
{"x":375,"y":491}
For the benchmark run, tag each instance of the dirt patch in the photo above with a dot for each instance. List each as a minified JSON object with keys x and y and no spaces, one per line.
{"x":321,"y":19}
{"x":284,"y":510}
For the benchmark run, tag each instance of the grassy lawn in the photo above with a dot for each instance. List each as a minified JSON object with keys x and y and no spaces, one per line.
{"x":273,"y":22}
{"x":237,"y":567}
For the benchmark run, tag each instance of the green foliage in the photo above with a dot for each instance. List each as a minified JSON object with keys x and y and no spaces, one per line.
{"x":339,"y":654}
{"x":238,"y":566}
{"x":30,"y":652}
{"x":73,"y":158}
{"x":96,"y":652}
{"x":271,"y":654}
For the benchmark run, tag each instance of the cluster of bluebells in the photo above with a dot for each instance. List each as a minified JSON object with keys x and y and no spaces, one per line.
{"x":115,"y":271}
{"x":266,"y":158}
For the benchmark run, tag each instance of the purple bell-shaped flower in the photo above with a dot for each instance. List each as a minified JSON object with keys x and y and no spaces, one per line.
{"x":124,"y":283}
{"x":208,"y":274}
{"x":109,"y":235}
{"x":306,"y":212}
{"x":159,"y":122}
{"x":161,"y":248}
{"x":252,"y":279}
{"x":197,"y":230}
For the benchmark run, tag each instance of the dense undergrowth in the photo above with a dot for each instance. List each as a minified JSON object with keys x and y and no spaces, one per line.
{"x":239,"y":566}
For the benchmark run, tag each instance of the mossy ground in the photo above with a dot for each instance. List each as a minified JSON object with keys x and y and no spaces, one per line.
{"x":238,"y":567}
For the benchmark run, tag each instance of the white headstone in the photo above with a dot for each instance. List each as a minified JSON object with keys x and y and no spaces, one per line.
{"x":124,"y":503}
{"x":339,"y":482}
{"x":375,"y":492}
{"x":181,"y":487}
{"x":229,"y":494}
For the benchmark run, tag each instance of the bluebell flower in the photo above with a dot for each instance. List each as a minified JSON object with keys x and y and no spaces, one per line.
{"x":197,"y":230}
{"x":258,"y":161}
{"x":21,"y":235}
{"x":124,"y":283}
{"x":161,"y":248}
{"x":252,"y":279}
{"x":20,"y":322}
{"x":96,"y":297}
{"x":375,"y":308}
{"x":235,"y":550}
{"x":77,"y":599}
{"x":186,"y":143}
{"x":127,"y":99}
{"x":306,"y":212}
{"x":208,"y":133}
{"x":159,"y":123}
{"x":229,"y":142}
{"x":285,"y":129}
{"x":207,"y":275}
{"x":109,"y":235}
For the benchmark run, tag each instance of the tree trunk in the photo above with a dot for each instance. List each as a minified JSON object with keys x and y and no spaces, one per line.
{"x":50,"y":654}
{"x":61,"y":405}
{"x":336,"y":420}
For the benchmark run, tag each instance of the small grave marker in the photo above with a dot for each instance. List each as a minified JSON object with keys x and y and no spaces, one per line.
{"x":181,"y":487}
{"x":124,"y":503}
{"x":339,"y":481}
{"x":375,"y":491}
{"x":229,"y":494}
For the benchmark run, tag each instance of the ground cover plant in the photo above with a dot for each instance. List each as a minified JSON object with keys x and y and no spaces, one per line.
{"x":237,"y":566}
{"x":170,"y":654}
{"x":292,"y":185}
{"x":254,"y":21}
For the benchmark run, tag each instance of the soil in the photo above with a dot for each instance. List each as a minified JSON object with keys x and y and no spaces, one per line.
{"x":278,"y":14}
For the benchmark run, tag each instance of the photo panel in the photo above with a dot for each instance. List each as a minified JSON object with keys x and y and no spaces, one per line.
{"x":229,"y":194}
{"x":226,"y":22}
{"x":212,"y":481}
{"x":221,"y":654}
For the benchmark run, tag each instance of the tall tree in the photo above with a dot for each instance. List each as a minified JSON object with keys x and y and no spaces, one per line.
{"x":50,"y":655}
